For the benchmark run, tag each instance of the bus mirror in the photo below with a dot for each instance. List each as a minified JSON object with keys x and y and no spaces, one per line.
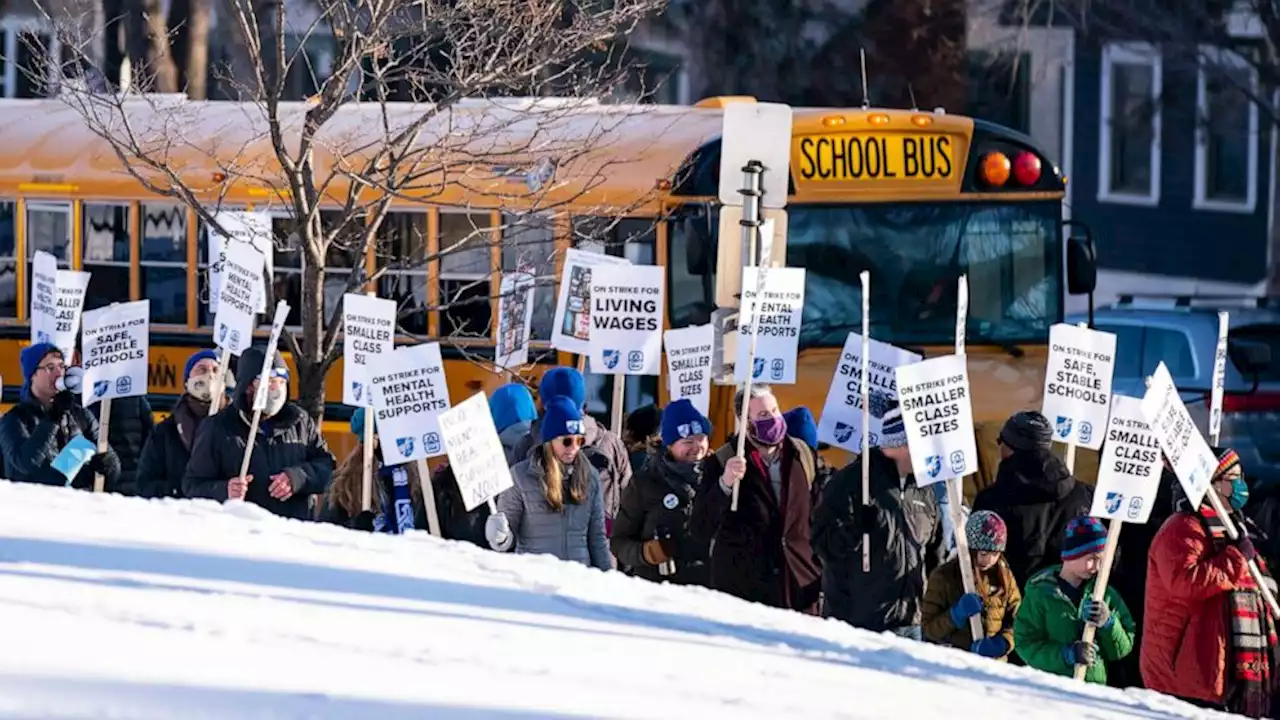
{"x":1249,"y":356}
{"x":1082,"y":262}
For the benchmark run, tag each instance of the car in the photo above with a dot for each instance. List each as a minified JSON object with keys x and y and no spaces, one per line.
{"x":1182,"y":331}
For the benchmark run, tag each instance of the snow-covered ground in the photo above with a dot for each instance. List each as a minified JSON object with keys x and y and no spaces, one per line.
{"x":124,"y":608}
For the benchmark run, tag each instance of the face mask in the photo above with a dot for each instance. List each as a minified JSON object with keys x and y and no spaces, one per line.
{"x":275,"y":400}
{"x":200,"y":388}
{"x":1239,"y":493}
{"x":770,"y":431}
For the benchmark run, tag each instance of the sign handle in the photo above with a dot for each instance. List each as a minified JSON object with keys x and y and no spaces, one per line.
{"x":219,"y":386}
{"x":865,"y":277}
{"x":429,"y":497}
{"x":100,"y":482}
{"x":248,"y":446}
{"x":752,"y":178}
{"x":619,"y":396}
{"x":1100,"y":583}
{"x":955,"y":489}
{"x":366,"y":490}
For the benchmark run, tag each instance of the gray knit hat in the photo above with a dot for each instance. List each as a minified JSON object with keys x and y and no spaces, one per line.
{"x":1027,"y":430}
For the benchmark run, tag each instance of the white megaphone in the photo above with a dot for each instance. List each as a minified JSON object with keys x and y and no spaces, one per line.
{"x":72,"y":379}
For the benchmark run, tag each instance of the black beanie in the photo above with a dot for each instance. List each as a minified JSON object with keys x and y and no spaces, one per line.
{"x":1027,"y":430}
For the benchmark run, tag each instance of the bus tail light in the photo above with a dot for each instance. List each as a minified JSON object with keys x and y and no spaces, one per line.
{"x":994,"y":169}
{"x":1026,"y":169}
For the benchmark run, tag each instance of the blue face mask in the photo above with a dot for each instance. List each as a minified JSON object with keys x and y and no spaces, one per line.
{"x":1239,"y":493}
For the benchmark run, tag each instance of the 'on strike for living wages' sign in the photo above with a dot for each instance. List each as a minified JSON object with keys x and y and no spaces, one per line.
{"x":1077,"y":383}
{"x":1129,"y":469}
{"x":937,"y":411}
{"x":409,"y":393}
{"x":115,"y":344}
{"x":626,"y":319}
{"x":841,"y":421}
{"x":368,"y":332}
{"x":778,"y":311}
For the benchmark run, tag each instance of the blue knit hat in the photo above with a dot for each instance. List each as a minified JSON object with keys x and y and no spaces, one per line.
{"x":31,"y":356}
{"x":680,"y":420}
{"x":800,"y":425}
{"x":510,"y":404}
{"x":560,"y":417}
{"x":1083,"y":535}
{"x":563,"y":382}
{"x":357,"y":423}
{"x":195,"y":358}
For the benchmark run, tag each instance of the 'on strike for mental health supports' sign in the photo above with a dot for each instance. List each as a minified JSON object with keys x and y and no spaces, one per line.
{"x":408,"y":398}
{"x":778,"y":312}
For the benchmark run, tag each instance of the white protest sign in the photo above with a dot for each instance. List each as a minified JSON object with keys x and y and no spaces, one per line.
{"x":369,"y":331}
{"x":1189,"y":455}
{"x":409,"y":393}
{"x":245,"y":228}
{"x":71,"y":287}
{"x":44,"y":291}
{"x":475,"y":453}
{"x":689,"y":365}
{"x":114,"y":349}
{"x":1077,"y":383}
{"x":241,"y":294}
{"x":268,"y":363}
{"x":572,"y":331}
{"x":515,"y":319}
{"x":780,"y":303}
{"x":761,"y":132}
{"x":626,"y":319}
{"x":937,"y":411}
{"x":1219,"y":377}
{"x":1129,"y":468}
{"x":841,"y":421}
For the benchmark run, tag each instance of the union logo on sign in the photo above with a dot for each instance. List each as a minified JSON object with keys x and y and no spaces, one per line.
{"x":405,"y":446}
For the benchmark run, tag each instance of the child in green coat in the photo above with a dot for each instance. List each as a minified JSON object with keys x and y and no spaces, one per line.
{"x":1057,"y":603}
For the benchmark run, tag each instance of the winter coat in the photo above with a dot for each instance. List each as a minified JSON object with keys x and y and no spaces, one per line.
{"x":512,"y":437}
{"x":1184,"y":649}
{"x":761,"y":553}
{"x":1036,"y":496}
{"x":906,"y":545}
{"x":575,"y":533}
{"x":660,"y":496}
{"x":1000,"y":601}
{"x":128,"y":431}
{"x":607,"y":454}
{"x":165,"y":456}
{"x":455,"y":522}
{"x":1048,"y":620}
{"x":30,"y":440}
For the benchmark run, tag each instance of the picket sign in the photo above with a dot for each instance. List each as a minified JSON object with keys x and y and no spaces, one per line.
{"x":1219,"y":380}
{"x":235,"y":314}
{"x":368,"y":332}
{"x":865,"y":278}
{"x":264,"y":379}
{"x":955,"y":486}
{"x":475,"y":453}
{"x":1077,"y":386}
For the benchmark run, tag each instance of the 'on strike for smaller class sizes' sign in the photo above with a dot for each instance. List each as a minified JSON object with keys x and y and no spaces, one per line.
{"x":1077,"y":383}
{"x":938,"y":414}
{"x":1129,"y":469}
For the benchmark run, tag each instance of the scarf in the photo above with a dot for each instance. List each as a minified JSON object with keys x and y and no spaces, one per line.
{"x":401,"y":500}
{"x":1251,"y":646}
{"x":684,"y":478}
{"x":187,"y":415}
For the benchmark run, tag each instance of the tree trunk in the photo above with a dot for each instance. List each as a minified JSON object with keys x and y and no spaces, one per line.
{"x":151,"y":62}
{"x":195,"y":52}
{"x":311,"y":366}
{"x":114,"y":51}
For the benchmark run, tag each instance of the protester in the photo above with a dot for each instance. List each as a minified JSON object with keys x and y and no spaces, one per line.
{"x":641,"y":433}
{"x":128,"y":430}
{"x":761,"y":552}
{"x":905,"y":528}
{"x":557,"y":504}
{"x":947,"y":607}
{"x":513,"y":412}
{"x":802,"y":426}
{"x":1034,"y":493}
{"x":604,"y":450}
{"x":1058,"y":602}
{"x":42,"y":423}
{"x":395,"y":502}
{"x":1210,"y":638}
{"x":166,"y":453}
{"x":651,"y":532}
{"x":290,"y":461}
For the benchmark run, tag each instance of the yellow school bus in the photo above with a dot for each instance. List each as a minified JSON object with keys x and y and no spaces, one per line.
{"x":917,"y":198}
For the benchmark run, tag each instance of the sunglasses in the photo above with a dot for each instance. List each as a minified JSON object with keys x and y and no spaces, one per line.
{"x":572,"y":441}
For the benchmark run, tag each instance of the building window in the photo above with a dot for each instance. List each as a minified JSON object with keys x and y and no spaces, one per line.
{"x":465,"y":269}
{"x":402,"y":248}
{"x":106,"y":257}
{"x":654,"y":78}
{"x":1226,"y":133}
{"x":308,"y":63}
{"x":1129,"y":147}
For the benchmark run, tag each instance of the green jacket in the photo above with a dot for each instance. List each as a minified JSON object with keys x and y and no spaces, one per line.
{"x":1048,"y":621}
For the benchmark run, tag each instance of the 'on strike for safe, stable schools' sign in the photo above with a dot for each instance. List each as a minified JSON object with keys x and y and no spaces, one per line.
{"x":1077,"y":384}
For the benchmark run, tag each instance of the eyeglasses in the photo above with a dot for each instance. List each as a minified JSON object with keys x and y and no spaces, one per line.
{"x":572,"y":441}
{"x":53,"y":368}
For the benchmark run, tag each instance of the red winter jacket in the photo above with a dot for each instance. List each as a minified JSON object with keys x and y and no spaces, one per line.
{"x":1184,"y":649}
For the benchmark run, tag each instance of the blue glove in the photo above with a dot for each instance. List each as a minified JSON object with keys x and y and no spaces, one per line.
{"x":966,"y":607}
{"x":1097,"y":614}
{"x":993,"y":647}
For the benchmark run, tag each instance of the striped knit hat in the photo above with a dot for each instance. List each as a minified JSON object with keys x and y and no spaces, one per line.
{"x":1084,"y":535}
{"x":1227,"y":459}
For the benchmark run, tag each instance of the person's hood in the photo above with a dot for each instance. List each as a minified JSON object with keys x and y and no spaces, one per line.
{"x":511,"y":436}
{"x":248,"y":369}
{"x":1041,"y":475}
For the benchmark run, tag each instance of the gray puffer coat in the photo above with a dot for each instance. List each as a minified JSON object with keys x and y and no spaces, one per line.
{"x":575,"y":533}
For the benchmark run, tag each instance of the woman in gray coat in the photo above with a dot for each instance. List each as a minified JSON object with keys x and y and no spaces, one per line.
{"x":557,"y":504}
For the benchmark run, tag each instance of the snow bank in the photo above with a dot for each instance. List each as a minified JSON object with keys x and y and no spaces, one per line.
{"x":119,"y":607}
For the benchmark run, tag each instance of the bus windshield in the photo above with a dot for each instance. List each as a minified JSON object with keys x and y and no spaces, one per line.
{"x":915,"y":252}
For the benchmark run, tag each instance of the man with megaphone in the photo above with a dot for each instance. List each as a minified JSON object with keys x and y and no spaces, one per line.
{"x":47,"y":417}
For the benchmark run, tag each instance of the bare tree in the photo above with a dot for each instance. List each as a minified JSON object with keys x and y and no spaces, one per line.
{"x":336,"y":163}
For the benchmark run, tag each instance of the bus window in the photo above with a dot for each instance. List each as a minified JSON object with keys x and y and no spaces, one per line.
{"x":529,"y":241}
{"x":8,"y":261}
{"x":466,"y":264}
{"x":163,"y":262}
{"x":286,"y":275}
{"x":48,"y":229}
{"x":106,"y":255}
{"x":344,"y":255}
{"x":691,"y":266}
{"x":402,"y":241}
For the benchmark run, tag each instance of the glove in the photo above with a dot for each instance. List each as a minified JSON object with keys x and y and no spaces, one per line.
{"x":1246,"y":548}
{"x":653,"y":553}
{"x":966,"y":607}
{"x":105,"y":464}
{"x":1096,"y":614}
{"x":993,"y":647}
{"x":363,"y":521}
{"x":670,"y":544}
{"x":868,"y":517}
{"x":497,"y":530}
{"x":62,"y":404}
{"x":1080,"y":653}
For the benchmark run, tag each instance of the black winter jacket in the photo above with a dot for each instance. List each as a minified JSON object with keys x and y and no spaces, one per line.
{"x":130,"y":426}
{"x":906,"y":546}
{"x":455,"y":522}
{"x":661,"y":496}
{"x":1036,"y":496}
{"x":30,"y":439}
{"x":165,"y":456}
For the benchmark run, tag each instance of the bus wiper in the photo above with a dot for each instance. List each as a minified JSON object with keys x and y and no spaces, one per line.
{"x":1013,"y":350}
